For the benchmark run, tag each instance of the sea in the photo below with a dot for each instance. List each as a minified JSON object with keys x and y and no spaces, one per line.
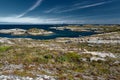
{"x":57,"y":33}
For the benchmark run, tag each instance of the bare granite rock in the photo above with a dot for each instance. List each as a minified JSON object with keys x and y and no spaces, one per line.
{"x":39,"y":77}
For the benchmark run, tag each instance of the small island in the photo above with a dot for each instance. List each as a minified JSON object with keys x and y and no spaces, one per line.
{"x":73,"y":28}
{"x":13,"y":31}
{"x":32,"y":31}
{"x":89,"y":28}
{"x":35,"y":32}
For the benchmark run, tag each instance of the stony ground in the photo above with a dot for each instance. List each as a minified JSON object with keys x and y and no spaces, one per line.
{"x":60,"y":59}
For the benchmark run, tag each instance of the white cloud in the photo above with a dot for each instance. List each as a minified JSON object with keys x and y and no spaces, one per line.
{"x":14,"y":19}
{"x":35,"y":20}
{"x":80,"y":3}
{"x":31,"y":8}
{"x":36,"y":5}
{"x":73,"y":8}
{"x":51,"y":10}
{"x":27,"y":20}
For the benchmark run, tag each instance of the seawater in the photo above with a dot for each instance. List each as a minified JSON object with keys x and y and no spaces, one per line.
{"x":57,"y":33}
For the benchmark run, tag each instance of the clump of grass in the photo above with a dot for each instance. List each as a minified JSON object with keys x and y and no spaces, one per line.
{"x":34,"y":59}
{"x":101,"y":47}
{"x":23,"y":73}
{"x":4,"y":48}
{"x":48,"y":56}
{"x":62,"y":59}
{"x":69,"y":57}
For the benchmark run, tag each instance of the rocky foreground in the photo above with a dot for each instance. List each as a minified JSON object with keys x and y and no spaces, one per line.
{"x":95,"y":57}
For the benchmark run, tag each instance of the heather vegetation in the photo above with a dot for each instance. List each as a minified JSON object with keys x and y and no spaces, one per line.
{"x":65,"y":66}
{"x":113,"y":48}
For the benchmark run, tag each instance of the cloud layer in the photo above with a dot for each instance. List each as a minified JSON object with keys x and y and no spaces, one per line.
{"x":36,"y":20}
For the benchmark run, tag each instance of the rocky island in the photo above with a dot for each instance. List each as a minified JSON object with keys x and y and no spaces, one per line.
{"x":33,"y":31}
{"x":58,"y":28}
{"x":87,"y":28}
{"x":13,"y":31}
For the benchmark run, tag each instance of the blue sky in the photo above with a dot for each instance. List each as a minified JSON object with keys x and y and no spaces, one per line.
{"x":60,"y":11}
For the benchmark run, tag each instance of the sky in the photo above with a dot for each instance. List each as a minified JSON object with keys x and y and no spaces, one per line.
{"x":59,"y":11}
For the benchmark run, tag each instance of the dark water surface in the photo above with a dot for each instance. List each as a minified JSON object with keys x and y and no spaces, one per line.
{"x":57,"y":33}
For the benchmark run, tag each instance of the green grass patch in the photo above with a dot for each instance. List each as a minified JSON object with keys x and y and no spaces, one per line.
{"x":69,"y":57}
{"x":4,"y":48}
